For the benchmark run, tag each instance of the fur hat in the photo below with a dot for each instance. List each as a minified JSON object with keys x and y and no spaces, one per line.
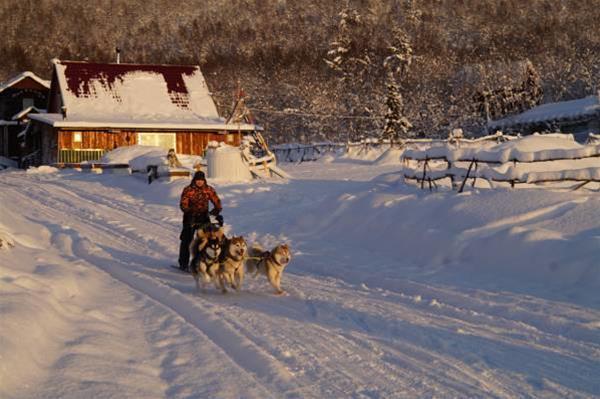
{"x":199,"y":175}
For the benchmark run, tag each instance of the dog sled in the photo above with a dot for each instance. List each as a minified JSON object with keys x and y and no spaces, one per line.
{"x":261,"y":162}
{"x":223,"y":260}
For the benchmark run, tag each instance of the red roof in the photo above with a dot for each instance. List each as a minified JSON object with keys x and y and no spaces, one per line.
{"x":78,"y":76}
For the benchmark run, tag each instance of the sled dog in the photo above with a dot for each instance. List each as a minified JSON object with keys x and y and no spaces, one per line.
{"x":172,"y":159}
{"x":206,"y":251}
{"x":231,"y":269}
{"x":270,"y":263}
{"x":203,"y":236}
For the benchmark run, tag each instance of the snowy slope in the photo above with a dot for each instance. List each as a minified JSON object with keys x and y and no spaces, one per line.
{"x":393,"y":292}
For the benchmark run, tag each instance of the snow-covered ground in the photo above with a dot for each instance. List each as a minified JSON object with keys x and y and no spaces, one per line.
{"x":392,"y":292}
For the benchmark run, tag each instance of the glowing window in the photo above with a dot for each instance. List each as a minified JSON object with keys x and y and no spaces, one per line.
{"x":163,"y":140}
{"x":77,"y":137}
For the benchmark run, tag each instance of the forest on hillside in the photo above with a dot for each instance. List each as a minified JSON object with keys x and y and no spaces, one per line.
{"x":317,"y":70}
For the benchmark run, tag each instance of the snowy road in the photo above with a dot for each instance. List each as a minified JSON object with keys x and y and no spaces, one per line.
{"x":92,"y":309}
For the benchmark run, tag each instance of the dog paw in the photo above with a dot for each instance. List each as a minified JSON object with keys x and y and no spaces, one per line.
{"x":280,"y":293}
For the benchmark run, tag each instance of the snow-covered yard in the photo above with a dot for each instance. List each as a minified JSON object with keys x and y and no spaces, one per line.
{"x":392,"y":292}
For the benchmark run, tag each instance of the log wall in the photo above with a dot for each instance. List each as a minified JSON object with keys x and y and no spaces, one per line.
{"x":187,"y":142}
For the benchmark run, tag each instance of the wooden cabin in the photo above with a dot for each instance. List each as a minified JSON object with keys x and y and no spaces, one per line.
{"x":578,"y":117}
{"x":19,"y":96}
{"x":94,"y":108}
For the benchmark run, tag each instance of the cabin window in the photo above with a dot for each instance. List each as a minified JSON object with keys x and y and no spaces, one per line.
{"x":163,"y":140}
{"x":27,"y":102}
{"x":77,"y":137}
{"x":230,"y":138}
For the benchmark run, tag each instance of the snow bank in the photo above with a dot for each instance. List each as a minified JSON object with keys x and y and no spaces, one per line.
{"x":535,"y":241}
{"x":390,"y":156}
{"x":327,"y":158}
{"x":7,"y":163}
{"x":44,"y":169}
{"x":364,"y":152}
{"x":140,"y":156}
{"x":60,"y":318}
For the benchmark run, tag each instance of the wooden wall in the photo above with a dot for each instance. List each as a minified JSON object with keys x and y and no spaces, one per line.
{"x":195,"y":142}
{"x":96,"y":139}
{"x":187,"y":142}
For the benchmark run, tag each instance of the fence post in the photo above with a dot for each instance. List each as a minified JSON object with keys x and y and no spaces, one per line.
{"x":152,"y":171}
{"x":475,"y":178}
{"x":451,"y":175}
{"x":462,"y":186}
{"x":424,"y":172}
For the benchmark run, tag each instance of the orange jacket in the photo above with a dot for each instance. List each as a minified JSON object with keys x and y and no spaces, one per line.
{"x":194,"y":203}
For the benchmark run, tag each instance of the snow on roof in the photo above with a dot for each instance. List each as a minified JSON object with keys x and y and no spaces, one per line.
{"x":123,"y":122}
{"x":25,"y":111}
{"x":133,"y":91}
{"x":574,"y":109}
{"x":27,"y":74}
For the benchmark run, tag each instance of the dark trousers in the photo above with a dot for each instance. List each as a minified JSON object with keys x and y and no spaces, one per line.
{"x":187,"y":236}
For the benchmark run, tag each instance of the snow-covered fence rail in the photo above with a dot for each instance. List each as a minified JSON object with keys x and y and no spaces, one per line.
{"x":502,"y":164}
{"x":312,"y":152}
{"x":305,"y":152}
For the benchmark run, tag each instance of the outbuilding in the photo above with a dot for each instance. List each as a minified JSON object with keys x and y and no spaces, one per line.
{"x":578,"y":117}
{"x":20,"y":95}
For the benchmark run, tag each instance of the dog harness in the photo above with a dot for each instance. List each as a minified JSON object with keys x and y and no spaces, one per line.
{"x":208,"y":258}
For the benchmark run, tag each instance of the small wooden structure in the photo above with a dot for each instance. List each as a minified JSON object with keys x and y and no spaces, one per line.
{"x":22,"y":94}
{"x":578,"y":117}
{"x":94,"y":108}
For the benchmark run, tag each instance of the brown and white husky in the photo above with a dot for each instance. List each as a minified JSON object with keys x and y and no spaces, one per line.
{"x":270,"y":263}
{"x":206,"y":252}
{"x":231,"y":270}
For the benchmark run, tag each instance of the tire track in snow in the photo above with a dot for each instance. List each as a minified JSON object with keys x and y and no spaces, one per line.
{"x":125,"y":238}
{"x":338,"y":327}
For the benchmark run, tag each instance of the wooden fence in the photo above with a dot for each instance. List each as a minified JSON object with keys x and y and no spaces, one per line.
{"x":79,"y":155}
{"x":305,"y":152}
{"x":425,"y":174}
{"x":311,"y":152}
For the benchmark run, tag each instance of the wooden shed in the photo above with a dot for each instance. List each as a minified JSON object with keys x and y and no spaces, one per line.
{"x":19,"y":96}
{"x":578,"y":117}
{"x":94,"y":108}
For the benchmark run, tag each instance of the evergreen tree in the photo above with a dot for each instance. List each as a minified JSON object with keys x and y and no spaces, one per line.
{"x":401,"y":54}
{"x":397,"y":126}
{"x":532,"y":88}
{"x":344,"y":55}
